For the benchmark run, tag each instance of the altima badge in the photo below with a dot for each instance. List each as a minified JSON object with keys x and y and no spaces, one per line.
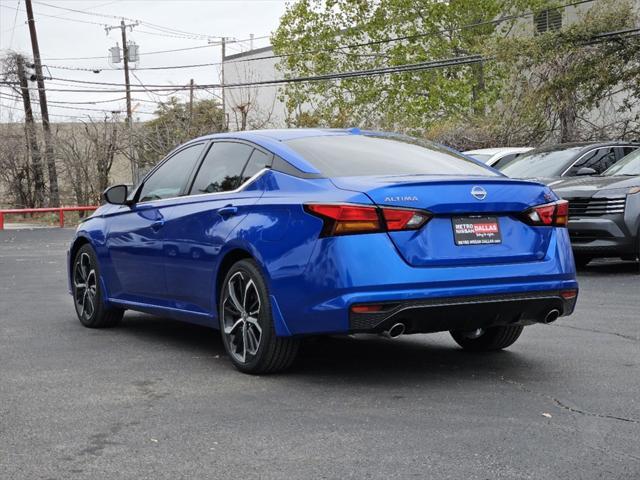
{"x":479,"y":193}
{"x":407,"y":198}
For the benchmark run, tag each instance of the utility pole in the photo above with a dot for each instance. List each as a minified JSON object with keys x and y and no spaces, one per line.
{"x":32,"y":139}
{"x":54,"y":195}
{"x":125,"y":55}
{"x":224,"y":103}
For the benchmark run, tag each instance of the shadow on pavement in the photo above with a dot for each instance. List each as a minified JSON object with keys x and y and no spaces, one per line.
{"x":609,"y":266}
{"x":360,"y":359}
{"x":170,"y":332}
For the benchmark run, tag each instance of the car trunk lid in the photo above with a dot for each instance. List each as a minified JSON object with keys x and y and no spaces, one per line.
{"x":484,"y":212}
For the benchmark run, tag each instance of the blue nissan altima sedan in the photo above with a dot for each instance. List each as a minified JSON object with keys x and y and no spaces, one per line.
{"x":272,"y":235}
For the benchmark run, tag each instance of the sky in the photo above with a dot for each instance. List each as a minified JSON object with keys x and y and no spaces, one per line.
{"x":66,"y":41}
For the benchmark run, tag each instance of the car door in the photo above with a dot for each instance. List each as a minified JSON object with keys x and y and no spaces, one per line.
{"x":134,"y":234}
{"x":197,"y":227}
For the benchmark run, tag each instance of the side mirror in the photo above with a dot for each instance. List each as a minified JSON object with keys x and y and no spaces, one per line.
{"x":116,"y":195}
{"x":586,"y":171}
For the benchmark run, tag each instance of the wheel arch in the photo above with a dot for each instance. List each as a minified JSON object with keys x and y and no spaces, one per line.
{"x":231,"y":257}
{"x":79,"y":241}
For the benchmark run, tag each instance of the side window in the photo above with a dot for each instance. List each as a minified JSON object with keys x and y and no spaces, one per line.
{"x":257,"y":162}
{"x":599,"y":159}
{"x":221,"y":168}
{"x":170,"y":178}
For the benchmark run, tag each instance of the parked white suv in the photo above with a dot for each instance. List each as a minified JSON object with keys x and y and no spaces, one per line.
{"x":497,"y":157}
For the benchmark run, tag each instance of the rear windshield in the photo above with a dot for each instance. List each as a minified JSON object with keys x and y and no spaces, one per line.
{"x":540,"y":164}
{"x":359,"y":155}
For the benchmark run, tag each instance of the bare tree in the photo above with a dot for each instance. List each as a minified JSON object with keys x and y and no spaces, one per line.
{"x":16,"y":174}
{"x":13,"y":72}
{"x":87,"y":154}
{"x":247,"y":111}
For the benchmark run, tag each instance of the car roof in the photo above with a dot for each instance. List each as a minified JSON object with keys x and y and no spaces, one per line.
{"x":497,"y":150}
{"x":581,"y":146}
{"x":284,"y":134}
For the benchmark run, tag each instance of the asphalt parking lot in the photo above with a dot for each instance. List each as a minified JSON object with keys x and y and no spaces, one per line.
{"x":155,"y":398}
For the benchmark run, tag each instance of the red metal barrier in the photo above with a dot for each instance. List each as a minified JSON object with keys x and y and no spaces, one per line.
{"x":59,"y":210}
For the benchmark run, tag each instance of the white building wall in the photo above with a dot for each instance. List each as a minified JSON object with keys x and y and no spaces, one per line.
{"x":264,"y":109}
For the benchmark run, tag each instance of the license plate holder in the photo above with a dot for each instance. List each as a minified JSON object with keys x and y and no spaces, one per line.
{"x":476,"y":230}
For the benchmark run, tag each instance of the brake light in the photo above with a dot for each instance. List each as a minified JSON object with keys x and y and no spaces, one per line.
{"x":554,"y":214}
{"x":345,"y":219}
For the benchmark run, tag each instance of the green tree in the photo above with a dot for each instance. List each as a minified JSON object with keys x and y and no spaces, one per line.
{"x":311,"y":34}
{"x":576,"y":83}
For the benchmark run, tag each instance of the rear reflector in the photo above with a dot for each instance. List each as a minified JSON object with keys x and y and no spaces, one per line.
{"x":344,"y":219}
{"x":554,"y":214}
{"x":569,"y":294}
{"x":371,"y":308}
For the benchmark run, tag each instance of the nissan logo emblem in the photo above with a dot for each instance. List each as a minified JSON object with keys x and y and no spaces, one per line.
{"x":479,"y":193}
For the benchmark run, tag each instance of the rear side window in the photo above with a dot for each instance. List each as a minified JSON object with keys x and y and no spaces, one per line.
{"x":221,"y":168}
{"x":627,"y":150}
{"x":257,"y":162}
{"x":170,"y":178}
{"x":599,"y":159}
{"x":359,"y":155}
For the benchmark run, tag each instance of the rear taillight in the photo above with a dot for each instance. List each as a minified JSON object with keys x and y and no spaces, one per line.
{"x":345,"y":219}
{"x":554,"y":214}
{"x":404,"y":219}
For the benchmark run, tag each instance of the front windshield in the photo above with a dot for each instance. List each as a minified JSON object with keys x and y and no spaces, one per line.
{"x":540,"y":164}
{"x":629,"y":165}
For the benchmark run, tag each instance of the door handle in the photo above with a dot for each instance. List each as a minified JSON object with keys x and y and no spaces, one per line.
{"x":157,"y":225}
{"x":228,"y":211}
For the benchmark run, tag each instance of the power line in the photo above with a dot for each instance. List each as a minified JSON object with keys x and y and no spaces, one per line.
{"x":15,"y":22}
{"x":414,"y":67}
{"x":60,"y":17}
{"x":337,"y":49}
{"x":51,"y":114}
{"x":120,"y":17}
{"x":420,"y":66}
{"x":55,"y":105}
{"x":103,"y":57}
{"x":90,"y":102}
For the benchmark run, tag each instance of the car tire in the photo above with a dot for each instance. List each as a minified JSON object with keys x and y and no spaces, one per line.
{"x":246,"y":323}
{"x":487,"y":340}
{"x":582,"y":260}
{"x":88,"y":296}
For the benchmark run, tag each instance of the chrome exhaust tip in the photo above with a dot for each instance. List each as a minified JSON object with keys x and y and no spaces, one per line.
{"x":394,"y":331}
{"x":552,"y":316}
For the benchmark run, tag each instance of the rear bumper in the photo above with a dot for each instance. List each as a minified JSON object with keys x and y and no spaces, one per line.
{"x":360,"y":269}
{"x":464,"y":313}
